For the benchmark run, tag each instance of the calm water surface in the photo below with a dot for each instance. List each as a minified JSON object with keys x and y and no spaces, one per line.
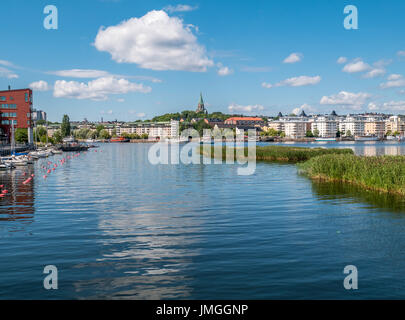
{"x":118,"y":227}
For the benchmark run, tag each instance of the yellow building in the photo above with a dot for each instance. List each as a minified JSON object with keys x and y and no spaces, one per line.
{"x":395,"y":124}
{"x":374,"y":128}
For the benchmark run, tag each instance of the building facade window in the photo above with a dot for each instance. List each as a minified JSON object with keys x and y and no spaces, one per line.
{"x":5,"y":122}
{"x":26,"y":97}
{"x":2,"y":98}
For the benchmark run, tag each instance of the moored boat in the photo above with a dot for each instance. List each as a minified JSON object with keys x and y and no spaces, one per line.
{"x":119,"y":139}
{"x":366,"y":138}
{"x":325,"y":139}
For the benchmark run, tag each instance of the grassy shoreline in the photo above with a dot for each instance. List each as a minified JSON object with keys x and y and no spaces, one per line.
{"x":384,"y":174}
{"x":378,"y":173}
{"x":278,"y":153}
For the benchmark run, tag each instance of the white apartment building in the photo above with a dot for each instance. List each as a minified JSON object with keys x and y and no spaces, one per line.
{"x":161,"y":130}
{"x":295,"y":129}
{"x":353,"y":125}
{"x":326,"y":127}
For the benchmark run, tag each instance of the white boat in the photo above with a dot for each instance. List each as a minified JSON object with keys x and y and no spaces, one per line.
{"x":56,"y":151}
{"x":366,"y":138}
{"x":15,"y":160}
{"x":325,"y":139}
{"x":390,"y":138}
{"x":6,"y":166}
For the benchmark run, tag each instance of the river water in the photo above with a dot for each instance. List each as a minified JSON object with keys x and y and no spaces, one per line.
{"x":118,"y":227}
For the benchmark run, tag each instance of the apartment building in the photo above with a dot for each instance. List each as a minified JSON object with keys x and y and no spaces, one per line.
{"x":154,"y":130}
{"x":395,"y":124}
{"x":374,"y":126}
{"x":15,"y":111}
{"x":352,"y":125}
{"x":295,"y":129}
{"x":325,"y":127}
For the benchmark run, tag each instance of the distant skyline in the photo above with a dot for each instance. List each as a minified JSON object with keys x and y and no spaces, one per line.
{"x":127,"y":60}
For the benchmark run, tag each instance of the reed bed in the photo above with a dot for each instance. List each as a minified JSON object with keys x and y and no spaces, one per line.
{"x":279,"y":153}
{"x":381,"y":173}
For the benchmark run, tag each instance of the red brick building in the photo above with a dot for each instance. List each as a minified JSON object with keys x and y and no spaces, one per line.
{"x":15,"y":108}
{"x":245,"y":121}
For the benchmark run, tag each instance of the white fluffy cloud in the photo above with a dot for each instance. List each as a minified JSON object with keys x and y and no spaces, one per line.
{"x":97,"y":89}
{"x":6,"y":73}
{"x":344,"y":98}
{"x":80,"y":73}
{"x":394,"y":81}
{"x":306,"y":107}
{"x":179,"y":8}
{"x":341,"y":60}
{"x":401,"y":53}
{"x":6,"y":63}
{"x":138,"y":114}
{"x":224,"y":71}
{"x":394,"y":76}
{"x":248,"y":108}
{"x":375,"y":72}
{"x":356,"y":66}
{"x":294,"y":82}
{"x":154,"y":41}
{"x":40,"y":85}
{"x":293,"y":58}
{"x":89,"y":74}
{"x":387,"y":106}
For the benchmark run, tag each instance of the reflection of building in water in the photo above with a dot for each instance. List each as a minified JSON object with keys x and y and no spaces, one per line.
{"x":370,"y":151}
{"x":18,"y":203}
{"x":392,"y":151}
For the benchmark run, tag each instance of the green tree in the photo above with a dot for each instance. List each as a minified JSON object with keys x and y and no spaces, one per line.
{"x":348,"y":133}
{"x":99,"y":127}
{"x":316,"y":133}
{"x":309,"y":134}
{"x":57,"y":136}
{"x":40,"y":134}
{"x":65,"y":127}
{"x":104,"y":134}
{"x":21,"y":135}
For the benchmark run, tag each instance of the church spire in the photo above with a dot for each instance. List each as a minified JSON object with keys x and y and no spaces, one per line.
{"x":201,"y":107}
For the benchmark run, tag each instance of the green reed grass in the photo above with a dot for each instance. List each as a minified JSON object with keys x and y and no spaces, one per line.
{"x":382,"y":173}
{"x":279,"y":153}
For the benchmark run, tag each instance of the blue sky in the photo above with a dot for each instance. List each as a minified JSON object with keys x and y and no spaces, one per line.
{"x":120,"y":59}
